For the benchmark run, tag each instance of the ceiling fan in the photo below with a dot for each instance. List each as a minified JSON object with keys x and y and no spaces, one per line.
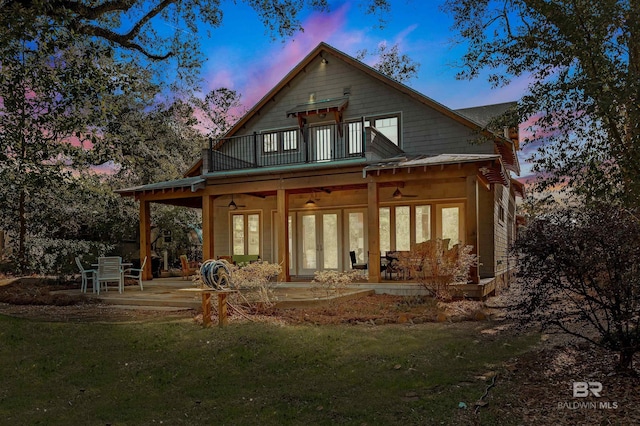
{"x":232,"y":205}
{"x":397,"y":195}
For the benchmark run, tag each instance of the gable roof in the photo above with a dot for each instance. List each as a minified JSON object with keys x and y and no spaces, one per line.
{"x":511,"y":160}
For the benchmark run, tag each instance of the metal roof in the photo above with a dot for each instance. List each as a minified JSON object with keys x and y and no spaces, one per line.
{"x":494,"y":174}
{"x":192,"y":183}
{"x":319,"y":107}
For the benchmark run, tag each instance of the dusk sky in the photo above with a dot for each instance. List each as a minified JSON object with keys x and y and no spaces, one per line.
{"x":242,"y":55}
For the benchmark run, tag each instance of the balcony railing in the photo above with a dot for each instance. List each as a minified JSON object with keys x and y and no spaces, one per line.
{"x":313,"y":144}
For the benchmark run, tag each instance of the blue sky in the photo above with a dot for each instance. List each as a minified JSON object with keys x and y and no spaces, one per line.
{"x":242,"y":56}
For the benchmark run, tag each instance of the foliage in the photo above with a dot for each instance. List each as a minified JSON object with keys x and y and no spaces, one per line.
{"x":257,"y":277}
{"x":218,"y":110}
{"x":438,"y":268}
{"x":56,"y":257}
{"x":583,"y":63}
{"x":332,"y":282}
{"x":579,"y":272}
{"x":43,"y":133}
{"x":390,"y":63}
{"x":159,"y":34}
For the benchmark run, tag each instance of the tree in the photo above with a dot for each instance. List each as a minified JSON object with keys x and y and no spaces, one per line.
{"x":218,"y":111}
{"x":45,"y":117}
{"x":583,"y":60}
{"x":390,"y":63}
{"x":157,"y":30}
{"x":579,"y":274}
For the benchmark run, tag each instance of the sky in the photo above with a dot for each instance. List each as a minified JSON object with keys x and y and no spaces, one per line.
{"x":242,"y":56}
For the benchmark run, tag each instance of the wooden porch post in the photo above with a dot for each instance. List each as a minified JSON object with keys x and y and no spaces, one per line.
{"x":145,"y":238}
{"x":471,"y":223}
{"x":373,"y":231}
{"x":283,"y":234}
{"x":208,"y":246}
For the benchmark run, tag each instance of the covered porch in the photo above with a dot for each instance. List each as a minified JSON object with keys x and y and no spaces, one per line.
{"x":311,"y":217}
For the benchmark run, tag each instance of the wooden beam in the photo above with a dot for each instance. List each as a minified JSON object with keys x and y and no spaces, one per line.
{"x":208,"y":246}
{"x":373,"y":230}
{"x":283,"y":234}
{"x":145,"y":238}
{"x":471,"y":223}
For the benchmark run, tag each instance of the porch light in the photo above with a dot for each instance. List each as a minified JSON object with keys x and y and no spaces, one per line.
{"x":324,"y":61}
{"x":310,"y":203}
{"x":233,"y":205}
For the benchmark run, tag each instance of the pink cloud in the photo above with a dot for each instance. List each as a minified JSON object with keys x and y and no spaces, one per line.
{"x":268,"y":68}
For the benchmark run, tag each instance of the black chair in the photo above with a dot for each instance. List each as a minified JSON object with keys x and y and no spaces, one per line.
{"x":354,"y":264}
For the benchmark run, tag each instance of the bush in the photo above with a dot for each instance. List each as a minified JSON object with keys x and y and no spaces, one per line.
{"x":49,"y":256}
{"x":579,"y":272}
{"x":438,"y":268}
{"x":258,"y":277}
{"x":332,"y":282}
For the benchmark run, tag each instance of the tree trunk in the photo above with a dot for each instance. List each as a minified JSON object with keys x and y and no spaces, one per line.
{"x":625,"y":362}
{"x":22,"y":234}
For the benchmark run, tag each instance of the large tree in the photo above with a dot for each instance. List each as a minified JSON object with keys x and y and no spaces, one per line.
{"x":583,"y":61}
{"x":391,"y":63}
{"x":161,"y":30}
{"x":49,"y":99}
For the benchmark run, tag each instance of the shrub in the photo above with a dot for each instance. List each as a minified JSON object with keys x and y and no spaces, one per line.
{"x":258,"y":277}
{"x":579,"y":272}
{"x":49,"y":256}
{"x":438,"y":268}
{"x":332,"y":282}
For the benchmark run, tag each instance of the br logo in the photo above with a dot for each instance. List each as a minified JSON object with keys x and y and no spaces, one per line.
{"x":583,"y":389}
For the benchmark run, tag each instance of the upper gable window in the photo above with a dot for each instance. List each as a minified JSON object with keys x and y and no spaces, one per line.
{"x":282,"y":140}
{"x":387,"y":125}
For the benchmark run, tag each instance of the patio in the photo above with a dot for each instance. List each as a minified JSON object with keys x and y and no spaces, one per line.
{"x":164,"y":293}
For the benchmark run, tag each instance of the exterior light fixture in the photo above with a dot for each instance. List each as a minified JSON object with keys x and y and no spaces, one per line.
{"x":233,"y":205}
{"x":324,"y":61}
{"x":310,"y":203}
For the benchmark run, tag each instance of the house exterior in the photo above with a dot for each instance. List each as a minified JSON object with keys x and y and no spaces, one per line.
{"x":338,"y":158}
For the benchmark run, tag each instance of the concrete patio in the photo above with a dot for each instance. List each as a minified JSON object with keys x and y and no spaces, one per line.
{"x":165,"y":293}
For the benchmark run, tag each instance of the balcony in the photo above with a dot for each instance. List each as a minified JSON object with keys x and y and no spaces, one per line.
{"x":312,"y":145}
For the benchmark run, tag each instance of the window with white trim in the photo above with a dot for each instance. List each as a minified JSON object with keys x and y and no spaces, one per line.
{"x":245,"y":238}
{"x":281,"y":140}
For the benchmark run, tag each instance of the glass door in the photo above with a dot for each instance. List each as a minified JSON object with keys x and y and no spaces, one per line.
{"x":356,"y":236}
{"x":322,"y":142}
{"x":319,"y":242}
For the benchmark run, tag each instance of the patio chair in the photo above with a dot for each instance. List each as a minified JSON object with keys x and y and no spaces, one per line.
{"x":87,"y":274}
{"x":110,"y":270}
{"x":354,"y":262}
{"x":136,"y":273}
{"x":186,"y":269}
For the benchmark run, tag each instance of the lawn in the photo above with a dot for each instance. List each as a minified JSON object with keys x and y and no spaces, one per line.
{"x":246,"y":373}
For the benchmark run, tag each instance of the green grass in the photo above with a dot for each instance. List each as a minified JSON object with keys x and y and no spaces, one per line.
{"x":178,"y":373}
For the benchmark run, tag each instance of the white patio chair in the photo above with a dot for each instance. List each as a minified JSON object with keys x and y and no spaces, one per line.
{"x":87,"y":274}
{"x":110,"y":270}
{"x":136,"y":273}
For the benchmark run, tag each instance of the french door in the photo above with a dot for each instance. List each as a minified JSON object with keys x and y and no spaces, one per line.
{"x":322,"y":141}
{"x":319,"y":246}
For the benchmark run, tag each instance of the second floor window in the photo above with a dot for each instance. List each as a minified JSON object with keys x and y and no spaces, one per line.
{"x":388,"y":126}
{"x":283,"y":140}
